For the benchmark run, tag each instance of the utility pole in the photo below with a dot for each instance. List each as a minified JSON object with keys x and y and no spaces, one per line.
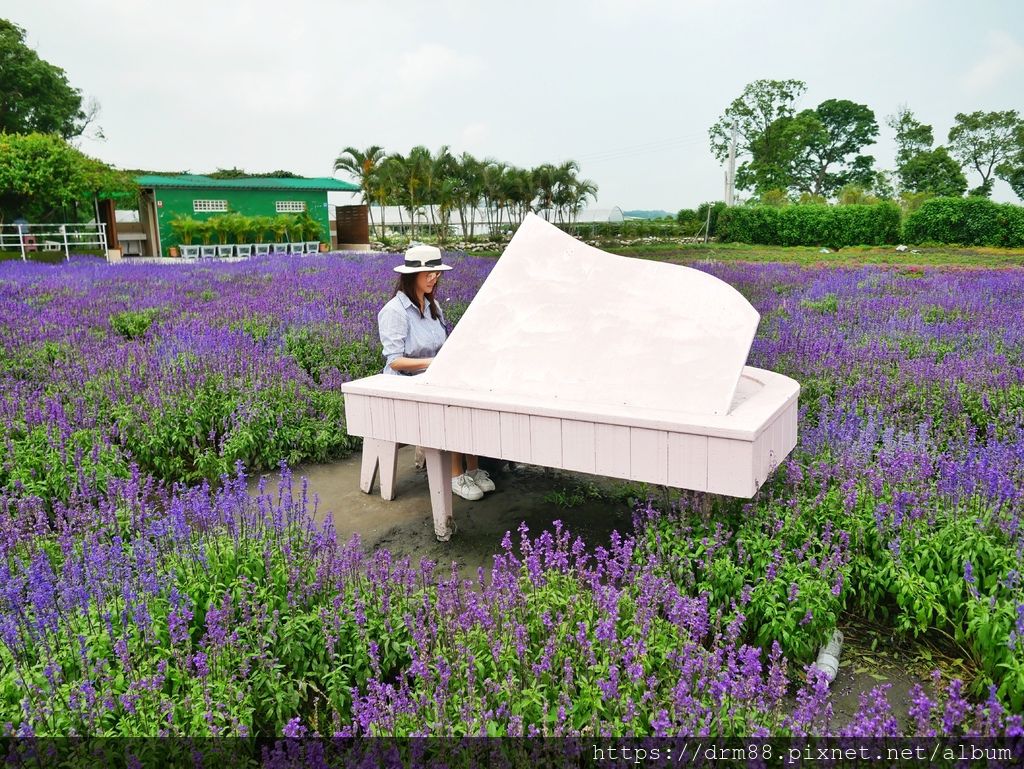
{"x":730,"y":173}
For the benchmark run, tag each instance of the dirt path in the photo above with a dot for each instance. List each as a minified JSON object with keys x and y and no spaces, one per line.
{"x":405,"y":526}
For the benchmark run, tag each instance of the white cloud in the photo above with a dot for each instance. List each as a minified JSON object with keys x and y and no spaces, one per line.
{"x":1004,"y":56}
{"x":430,"y":66}
{"x":473,"y":135}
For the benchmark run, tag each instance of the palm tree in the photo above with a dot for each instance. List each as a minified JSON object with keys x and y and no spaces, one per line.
{"x":581,"y":191}
{"x":562,"y":191}
{"x":441,"y":168}
{"x":469,"y":172}
{"x":494,"y":182}
{"x":413,"y":175}
{"x":522,"y":191}
{"x":387,"y":185}
{"x":362,"y":165}
{"x":545,"y":180}
{"x":445,"y":194}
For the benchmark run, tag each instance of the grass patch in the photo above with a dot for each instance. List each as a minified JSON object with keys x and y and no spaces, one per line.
{"x":850,"y":256}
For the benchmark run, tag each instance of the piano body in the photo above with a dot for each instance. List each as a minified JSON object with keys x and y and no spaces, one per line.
{"x":573,"y":358}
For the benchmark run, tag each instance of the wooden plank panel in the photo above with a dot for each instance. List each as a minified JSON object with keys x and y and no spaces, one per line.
{"x":458,"y":429}
{"x":431,"y":424}
{"x":407,"y":422}
{"x":730,"y":467}
{"x":648,"y":455}
{"x":579,"y":446}
{"x":790,"y":419}
{"x":688,"y":461}
{"x":382,"y":418}
{"x":763,"y":455}
{"x":486,"y":433}
{"x":612,"y":457}
{"x":546,"y":441}
{"x":357,"y":415}
{"x":777,"y":452}
{"x":515,"y":437}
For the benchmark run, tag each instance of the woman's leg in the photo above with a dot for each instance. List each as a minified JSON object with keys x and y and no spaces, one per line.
{"x":480,"y":477}
{"x":463,"y":485}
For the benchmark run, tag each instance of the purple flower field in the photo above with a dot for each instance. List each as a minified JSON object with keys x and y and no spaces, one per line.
{"x":144,"y":592}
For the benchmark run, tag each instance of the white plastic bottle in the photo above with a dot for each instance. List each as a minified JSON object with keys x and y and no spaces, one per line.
{"x":828,"y":655}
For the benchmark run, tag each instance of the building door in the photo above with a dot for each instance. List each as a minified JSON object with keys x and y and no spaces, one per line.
{"x":147,"y":218}
{"x":352,"y":225}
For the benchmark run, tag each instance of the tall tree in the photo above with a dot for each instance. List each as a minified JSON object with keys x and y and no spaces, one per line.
{"x":934,"y":171}
{"x":413,"y":174}
{"x":566,"y":183}
{"x":522,"y":192}
{"x":1015,"y":178}
{"x":468,"y":191}
{"x":1012,"y":171}
{"x":912,"y":136}
{"x":362,"y":165}
{"x":42,"y":177}
{"x":34,"y":94}
{"x":545,"y":179}
{"x":825,"y":146}
{"x":985,"y":140}
{"x":754,"y":114}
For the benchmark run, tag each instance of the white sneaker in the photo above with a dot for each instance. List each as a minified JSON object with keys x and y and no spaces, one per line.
{"x":465,"y":487}
{"x":482,"y":479}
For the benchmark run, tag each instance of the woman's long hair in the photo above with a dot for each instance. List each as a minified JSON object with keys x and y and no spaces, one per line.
{"x":407,"y":285}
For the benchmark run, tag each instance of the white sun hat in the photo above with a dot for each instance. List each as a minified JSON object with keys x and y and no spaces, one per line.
{"x":422,"y":259}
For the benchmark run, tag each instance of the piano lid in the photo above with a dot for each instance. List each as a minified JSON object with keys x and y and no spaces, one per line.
{"x":558,"y":319}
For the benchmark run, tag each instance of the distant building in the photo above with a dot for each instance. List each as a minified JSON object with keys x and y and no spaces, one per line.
{"x":611,"y":215}
{"x":163,"y":198}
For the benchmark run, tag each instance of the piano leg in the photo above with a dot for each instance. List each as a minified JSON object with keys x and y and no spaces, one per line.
{"x":382,"y":454}
{"x":439,"y":477}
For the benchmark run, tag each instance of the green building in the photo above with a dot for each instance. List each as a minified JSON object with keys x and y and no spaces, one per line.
{"x":164,"y":198}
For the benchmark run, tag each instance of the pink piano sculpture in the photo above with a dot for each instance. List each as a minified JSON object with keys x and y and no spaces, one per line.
{"x":574,"y":358}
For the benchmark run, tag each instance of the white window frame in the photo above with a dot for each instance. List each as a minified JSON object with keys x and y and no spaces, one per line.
{"x":289,"y":206}
{"x":205,"y":206}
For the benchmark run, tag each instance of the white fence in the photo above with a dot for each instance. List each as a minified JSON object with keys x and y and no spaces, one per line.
{"x":64,"y":237}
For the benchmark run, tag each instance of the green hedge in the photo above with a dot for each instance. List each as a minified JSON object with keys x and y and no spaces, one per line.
{"x":972,"y":221}
{"x":811,"y":225}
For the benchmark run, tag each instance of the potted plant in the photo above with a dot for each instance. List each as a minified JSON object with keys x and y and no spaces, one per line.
{"x":279,"y":226}
{"x":310,"y":232}
{"x":185,"y":228}
{"x":296,"y":241}
{"x":261,"y":225}
{"x":242,"y":227}
{"x":205,"y":233}
{"x":221,"y":225}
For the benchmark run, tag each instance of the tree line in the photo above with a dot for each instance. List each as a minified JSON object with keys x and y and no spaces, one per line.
{"x":817,"y":154}
{"x":41,"y":175}
{"x":434,"y":185}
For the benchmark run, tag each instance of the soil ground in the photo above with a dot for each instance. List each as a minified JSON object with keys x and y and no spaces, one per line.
{"x":591,"y":508}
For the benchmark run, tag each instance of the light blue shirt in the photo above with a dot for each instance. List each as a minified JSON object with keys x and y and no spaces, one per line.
{"x":405,"y":334}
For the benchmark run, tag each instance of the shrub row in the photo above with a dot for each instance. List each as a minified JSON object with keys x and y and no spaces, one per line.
{"x":970,"y":221}
{"x":966,"y":221}
{"x":811,"y":225}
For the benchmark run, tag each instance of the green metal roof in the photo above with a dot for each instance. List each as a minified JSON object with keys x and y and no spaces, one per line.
{"x":193,"y":181}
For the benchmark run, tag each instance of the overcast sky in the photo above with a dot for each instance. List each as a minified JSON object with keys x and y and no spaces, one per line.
{"x":626,"y":88}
